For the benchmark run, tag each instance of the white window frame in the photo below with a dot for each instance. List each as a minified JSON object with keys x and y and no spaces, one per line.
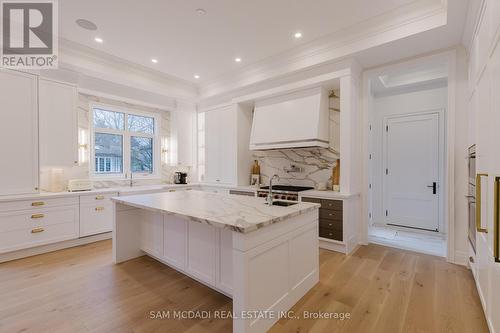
{"x":156,"y":174}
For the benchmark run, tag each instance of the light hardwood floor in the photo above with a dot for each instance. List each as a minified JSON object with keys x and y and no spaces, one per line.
{"x":383,"y":289}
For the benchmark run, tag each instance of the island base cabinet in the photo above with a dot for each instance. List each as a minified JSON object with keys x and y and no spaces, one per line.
{"x":265,"y":271}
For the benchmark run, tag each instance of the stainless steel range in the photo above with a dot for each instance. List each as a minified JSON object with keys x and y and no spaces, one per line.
{"x":283,"y":192}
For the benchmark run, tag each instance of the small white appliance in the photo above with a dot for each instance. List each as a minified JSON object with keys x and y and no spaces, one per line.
{"x":77,"y":185}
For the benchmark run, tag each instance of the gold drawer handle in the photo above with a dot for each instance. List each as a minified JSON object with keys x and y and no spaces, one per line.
{"x":37,"y":203}
{"x":478,"y":202}
{"x":37,"y":230}
{"x":99,"y":197}
{"x":99,"y":209}
{"x":171,"y":190}
{"x":37,"y":216}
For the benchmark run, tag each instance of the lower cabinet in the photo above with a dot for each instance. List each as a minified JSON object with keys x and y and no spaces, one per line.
{"x":39,"y":222}
{"x":96,"y":213}
{"x":330,"y":218}
{"x":196,"y":249}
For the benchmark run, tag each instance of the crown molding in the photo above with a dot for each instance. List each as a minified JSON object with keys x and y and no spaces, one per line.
{"x":404,"y":21}
{"x":93,"y":63}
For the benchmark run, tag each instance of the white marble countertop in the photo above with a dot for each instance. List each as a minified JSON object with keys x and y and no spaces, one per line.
{"x":326,"y":194}
{"x":238,"y":213}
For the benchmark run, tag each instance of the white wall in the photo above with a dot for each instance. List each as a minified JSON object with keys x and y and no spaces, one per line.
{"x":412,"y":102}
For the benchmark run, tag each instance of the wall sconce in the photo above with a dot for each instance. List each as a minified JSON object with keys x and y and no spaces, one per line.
{"x":83,"y":145}
{"x":164,"y":150}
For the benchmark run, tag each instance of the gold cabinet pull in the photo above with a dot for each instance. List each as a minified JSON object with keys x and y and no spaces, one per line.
{"x":99,"y":197}
{"x":478,"y":202}
{"x":37,"y":216}
{"x":37,"y":203}
{"x":37,"y":230}
{"x":496,"y":221}
{"x":99,"y":209}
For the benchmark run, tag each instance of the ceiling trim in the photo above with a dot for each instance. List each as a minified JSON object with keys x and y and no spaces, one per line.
{"x":90,"y":62}
{"x":407,"y":20}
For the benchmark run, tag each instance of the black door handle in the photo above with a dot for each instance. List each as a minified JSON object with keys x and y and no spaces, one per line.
{"x":434,"y":187}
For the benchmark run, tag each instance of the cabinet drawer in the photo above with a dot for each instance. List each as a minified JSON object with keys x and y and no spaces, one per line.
{"x":331,"y":224}
{"x":26,"y":238}
{"x":330,"y":234}
{"x":325,"y":203}
{"x":38,"y":218}
{"x":245,"y":193}
{"x":330,"y":214}
{"x":97,"y":198}
{"x":96,"y":219}
{"x":37,"y":204}
{"x":331,"y":204}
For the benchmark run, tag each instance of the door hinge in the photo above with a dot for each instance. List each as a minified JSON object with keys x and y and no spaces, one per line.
{"x":386,"y":171}
{"x":370,"y":186}
{"x":387,"y":128}
{"x":370,"y":215}
{"x":386,"y":212}
{"x":370,"y":127}
{"x":370,"y":156}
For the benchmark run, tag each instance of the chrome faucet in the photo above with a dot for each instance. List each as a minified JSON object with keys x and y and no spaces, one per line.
{"x":270,"y":196}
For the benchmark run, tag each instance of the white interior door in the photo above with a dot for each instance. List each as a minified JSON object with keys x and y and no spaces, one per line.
{"x":412,"y":171}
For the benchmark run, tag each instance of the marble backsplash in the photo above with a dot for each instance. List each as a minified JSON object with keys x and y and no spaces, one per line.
{"x":81,"y":171}
{"x":316,"y":165}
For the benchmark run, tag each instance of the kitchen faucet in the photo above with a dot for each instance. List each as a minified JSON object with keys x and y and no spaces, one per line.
{"x":270,"y":196}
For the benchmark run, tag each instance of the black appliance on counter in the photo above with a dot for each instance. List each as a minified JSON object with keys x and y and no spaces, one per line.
{"x":180,"y":178}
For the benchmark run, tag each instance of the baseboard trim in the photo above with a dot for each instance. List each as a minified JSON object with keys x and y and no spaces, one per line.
{"x":461,"y":258}
{"x":19,"y":254}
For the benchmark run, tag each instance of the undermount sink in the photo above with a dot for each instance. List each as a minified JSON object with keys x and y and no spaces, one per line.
{"x":283,"y":203}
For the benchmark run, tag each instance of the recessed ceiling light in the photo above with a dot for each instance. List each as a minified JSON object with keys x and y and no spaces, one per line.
{"x":298,"y":35}
{"x":237,"y":59}
{"x":86,"y":24}
{"x":196,"y":76}
{"x":98,"y":39}
{"x":201,"y":11}
{"x":154,"y":61}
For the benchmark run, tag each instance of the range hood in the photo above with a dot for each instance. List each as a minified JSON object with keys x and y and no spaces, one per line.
{"x":296,"y":120}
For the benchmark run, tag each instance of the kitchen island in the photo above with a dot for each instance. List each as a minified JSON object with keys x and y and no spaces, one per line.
{"x":264,"y":257}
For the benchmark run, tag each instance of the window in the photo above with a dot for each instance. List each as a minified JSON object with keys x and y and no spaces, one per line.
{"x":124,"y":142}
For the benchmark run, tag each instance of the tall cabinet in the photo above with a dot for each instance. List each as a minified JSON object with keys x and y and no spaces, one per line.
{"x":18,"y":132}
{"x":227,"y":154}
{"x":484,"y":83}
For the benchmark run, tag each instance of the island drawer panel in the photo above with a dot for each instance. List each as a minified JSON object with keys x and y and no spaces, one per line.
{"x":330,"y":214}
{"x":331,"y":234}
{"x":331,"y":224}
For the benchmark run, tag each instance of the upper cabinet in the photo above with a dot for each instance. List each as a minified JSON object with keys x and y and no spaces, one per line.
{"x":227,"y":137}
{"x":183,"y":135}
{"x":58,"y":124}
{"x":18,"y":133}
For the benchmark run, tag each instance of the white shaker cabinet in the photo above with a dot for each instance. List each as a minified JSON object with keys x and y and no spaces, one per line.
{"x":58,"y":124}
{"x":18,"y":133}
{"x":227,"y":136}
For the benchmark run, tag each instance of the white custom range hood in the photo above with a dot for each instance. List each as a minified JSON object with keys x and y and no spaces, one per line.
{"x":296,"y":120}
